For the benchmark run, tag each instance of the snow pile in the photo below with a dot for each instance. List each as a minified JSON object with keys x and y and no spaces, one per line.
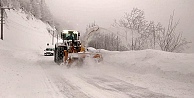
{"x":163,"y":72}
{"x":147,"y":61}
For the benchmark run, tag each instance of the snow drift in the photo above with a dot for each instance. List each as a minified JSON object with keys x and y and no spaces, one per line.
{"x":147,"y":61}
{"x":164,"y":72}
{"x":25,"y":38}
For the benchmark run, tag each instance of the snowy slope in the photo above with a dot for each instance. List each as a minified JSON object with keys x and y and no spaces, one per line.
{"x":24,"y":40}
{"x":25,"y":31}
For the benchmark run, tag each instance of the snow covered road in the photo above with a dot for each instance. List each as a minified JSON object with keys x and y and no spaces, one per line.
{"x":126,"y":79}
{"x":89,"y":82}
{"x":33,"y":75}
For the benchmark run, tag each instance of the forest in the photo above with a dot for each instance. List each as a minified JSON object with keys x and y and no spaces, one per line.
{"x":134,"y":32}
{"x":37,"y":8}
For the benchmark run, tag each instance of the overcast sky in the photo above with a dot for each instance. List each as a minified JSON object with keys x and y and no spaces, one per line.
{"x":79,"y":13}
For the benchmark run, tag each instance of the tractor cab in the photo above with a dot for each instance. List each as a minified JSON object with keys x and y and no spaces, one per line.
{"x":70,"y":43}
{"x":70,"y":35}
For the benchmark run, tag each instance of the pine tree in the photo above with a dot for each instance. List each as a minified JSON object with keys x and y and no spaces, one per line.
{"x":36,"y":11}
{"x":46,"y":15}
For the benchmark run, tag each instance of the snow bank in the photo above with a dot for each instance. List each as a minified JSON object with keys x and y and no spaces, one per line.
{"x":25,"y":38}
{"x":163,"y":72}
{"x":146,"y":61}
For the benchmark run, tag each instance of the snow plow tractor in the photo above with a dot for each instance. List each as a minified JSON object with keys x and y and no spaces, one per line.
{"x":71,"y":50}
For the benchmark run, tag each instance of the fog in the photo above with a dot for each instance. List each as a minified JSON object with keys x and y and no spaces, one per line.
{"x":79,"y":13}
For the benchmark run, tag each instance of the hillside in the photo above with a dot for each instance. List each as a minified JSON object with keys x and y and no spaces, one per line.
{"x":25,"y":38}
{"x":25,"y":31}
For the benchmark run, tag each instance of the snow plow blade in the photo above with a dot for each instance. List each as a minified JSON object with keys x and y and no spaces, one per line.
{"x":77,"y":59}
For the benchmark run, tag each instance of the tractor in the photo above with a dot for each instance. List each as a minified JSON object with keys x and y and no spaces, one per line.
{"x":71,"y":50}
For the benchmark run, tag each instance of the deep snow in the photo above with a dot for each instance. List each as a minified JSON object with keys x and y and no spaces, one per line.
{"x":26,"y":73}
{"x":24,"y":41}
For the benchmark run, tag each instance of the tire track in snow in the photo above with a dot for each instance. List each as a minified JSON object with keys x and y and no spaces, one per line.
{"x":108,"y":83}
{"x":103,"y":83}
{"x":60,"y":82}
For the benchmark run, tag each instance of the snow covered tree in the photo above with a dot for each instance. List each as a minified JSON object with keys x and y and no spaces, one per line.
{"x":170,"y":40}
{"x":103,"y":38}
{"x":45,"y":13}
{"x":16,"y":4}
{"x":148,"y":35}
{"x":135,"y":24}
{"x":37,"y":8}
{"x":5,"y":2}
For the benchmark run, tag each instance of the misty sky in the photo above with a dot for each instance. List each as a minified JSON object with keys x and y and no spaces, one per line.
{"x":79,"y":13}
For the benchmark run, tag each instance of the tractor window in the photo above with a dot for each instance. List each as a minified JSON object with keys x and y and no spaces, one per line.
{"x":75,"y":36}
{"x":70,"y":36}
{"x":64,"y":36}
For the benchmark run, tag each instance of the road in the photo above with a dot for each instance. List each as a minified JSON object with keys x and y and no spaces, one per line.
{"x":92,"y":81}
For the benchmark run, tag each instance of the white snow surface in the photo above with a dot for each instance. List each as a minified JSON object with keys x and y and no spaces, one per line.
{"x":26,"y":73}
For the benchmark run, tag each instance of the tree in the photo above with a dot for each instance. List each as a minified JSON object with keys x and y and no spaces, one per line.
{"x":5,"y":2}
{"x":36,"y":9}
{"x":148,"y":35}
{"x":45,"y":13}
{"x":170,"y":40}
{"x":15,"y":4}
{"x":101,"y":38}
{"x":134,"y":22}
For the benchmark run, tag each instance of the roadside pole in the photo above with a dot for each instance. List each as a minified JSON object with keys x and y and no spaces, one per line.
{"x":2,"y":17}
{"x":2,"y":11}
{"x":53,"y":37}
{"x":54,"y":32}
